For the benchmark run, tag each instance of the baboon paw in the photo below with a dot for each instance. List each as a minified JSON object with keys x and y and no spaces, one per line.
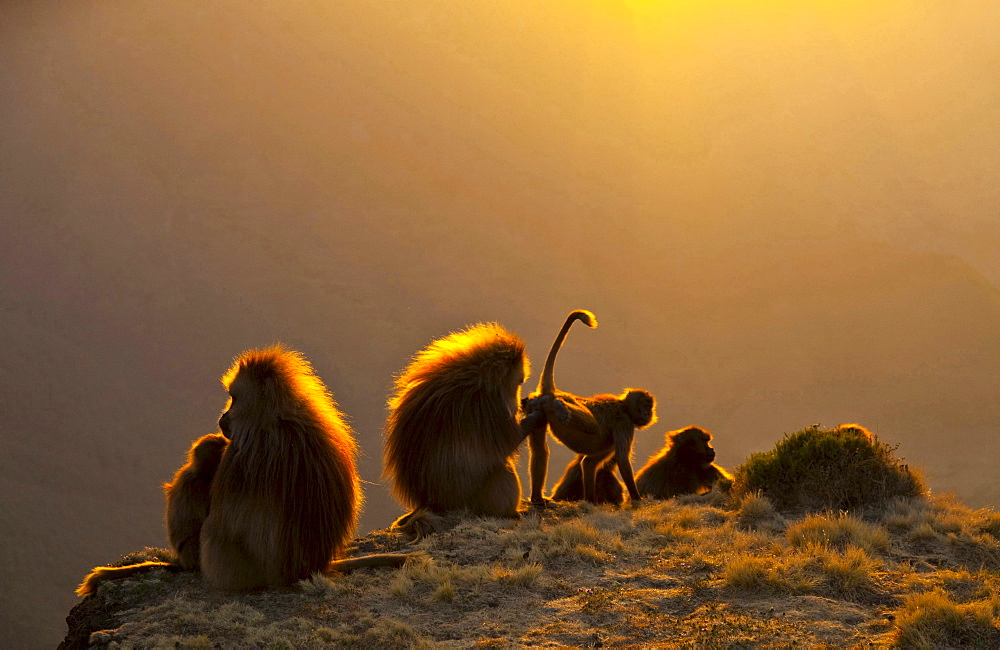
{"x":535,"y":402}
{"x":560,"y":411}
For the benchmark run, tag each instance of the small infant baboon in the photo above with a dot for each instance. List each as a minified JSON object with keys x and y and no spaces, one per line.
{"x":598,"y":428}
{"x":684,"y":466}
{"x":188,"y":498}
{"x":453,"y":432}
{"x":607,"y":487}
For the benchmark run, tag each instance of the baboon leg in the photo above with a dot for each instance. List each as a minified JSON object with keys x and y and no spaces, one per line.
{"x":539,"y":467}
{"x":501,"y":493}
{"x":229,"y":568}
{"x":623,"y":450}
{"x":588,"y":467}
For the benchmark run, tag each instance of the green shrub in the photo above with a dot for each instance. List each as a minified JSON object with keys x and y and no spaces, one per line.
{"x":819,"y":469}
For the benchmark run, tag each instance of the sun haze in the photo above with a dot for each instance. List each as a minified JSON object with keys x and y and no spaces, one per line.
{"x":782,"y":213}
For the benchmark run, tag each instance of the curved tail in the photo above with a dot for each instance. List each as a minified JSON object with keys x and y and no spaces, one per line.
{"x":365,"y":561}
{"x":547,"y":383}
{"x":101,"y":574}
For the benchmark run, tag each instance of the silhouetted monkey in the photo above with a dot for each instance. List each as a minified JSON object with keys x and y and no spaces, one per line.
{"x":453,"y":431}
{"x":684,"y":466}
{"x":608,"y":489}
{"x":598,"y":428}
{"x":188,"y":498}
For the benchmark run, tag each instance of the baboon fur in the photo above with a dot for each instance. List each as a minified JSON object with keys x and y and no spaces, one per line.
{"x":608,"y":489}
{"x":683,"y":466}
{"x":188,"y":498}
{"x":598,"y":428}
{"x":453,"y":432}
{"x":286,"y":497}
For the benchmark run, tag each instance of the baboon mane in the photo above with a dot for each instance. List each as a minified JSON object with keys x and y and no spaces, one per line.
{"x":452,"y":420}
{"x":291,"y":461}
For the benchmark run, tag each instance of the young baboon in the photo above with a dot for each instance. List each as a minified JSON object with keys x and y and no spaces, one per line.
{"x":188,"y":498}
{"x":607,"y":487}
{"x":285,"y":498}
{"x":599,"y":428}
{"x":453,"y":433}
{"x":683,"y":466}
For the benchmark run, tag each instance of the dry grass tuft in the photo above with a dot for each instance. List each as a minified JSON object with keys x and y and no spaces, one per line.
{"x":750,"y":573}
{"x":988,"y":522}
{"x":445,"y":591}
{"x":850,"y":573}
{"x":838,"y":531}
{"x":937,"y":515}
{"x":392,"y":633}
{"x":757,"y":512}
{"x":943,"y":525}
{"x":933,"y":620}
{"x":323,"y":586}
{"x":523,"y":576}
{"x":761,"y":576}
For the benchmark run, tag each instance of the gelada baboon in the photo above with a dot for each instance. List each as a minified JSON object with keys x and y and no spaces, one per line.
{"x":453,"y":431}
{"x":285,"y":498}
{"x":683,"y":466}
{"x":607,"y":487}
{"x":598,"y":428}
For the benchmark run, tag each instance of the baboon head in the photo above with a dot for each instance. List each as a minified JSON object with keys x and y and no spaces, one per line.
{"x":693,"y":445}
{"x":641,"y":407}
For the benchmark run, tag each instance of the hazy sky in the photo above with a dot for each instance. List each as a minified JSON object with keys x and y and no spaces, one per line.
{"x":781,"y":212}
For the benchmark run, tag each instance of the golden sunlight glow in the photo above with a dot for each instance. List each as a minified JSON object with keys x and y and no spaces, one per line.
{"x":767,"y":6}
{"x":753,"y":17}
{"x":785,"y":212}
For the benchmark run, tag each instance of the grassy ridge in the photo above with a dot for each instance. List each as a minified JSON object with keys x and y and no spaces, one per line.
{"x":703,"y":570}
{"x":741,"y":567}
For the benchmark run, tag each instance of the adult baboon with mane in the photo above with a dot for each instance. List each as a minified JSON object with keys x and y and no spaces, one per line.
{"x":453,"y":432}
{"x":684,"y":466}
{"x":598,"y":428}
{"x":285,"y":498}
